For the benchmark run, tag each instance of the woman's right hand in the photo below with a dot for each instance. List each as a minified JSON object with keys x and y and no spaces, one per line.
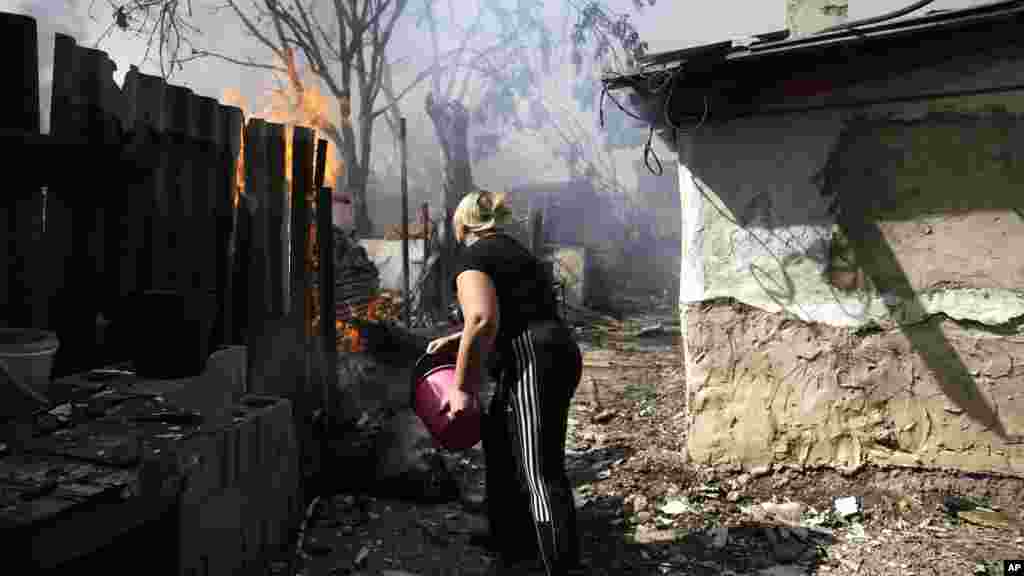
{"x":440,"y":344}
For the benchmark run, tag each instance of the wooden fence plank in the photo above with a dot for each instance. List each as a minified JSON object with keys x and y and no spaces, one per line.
{"x":92,"y":66}
{"x":301,"y":194}
{"x":206,"y":192}
{"x":58,"y":239}
{"x":255,"y":259}
{"x":226,"y":214}
{"x":104,"y":125}
{"x":277,"y":201}
{"x":21,"y":207}
{"x":131,"y":250}
{"x":241,"y":275}
{"x":144,"y":97}
{"x":178,"y":113}
{"x":19,"y":103}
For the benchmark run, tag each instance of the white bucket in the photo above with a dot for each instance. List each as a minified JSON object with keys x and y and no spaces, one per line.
{"x":26,"y":358}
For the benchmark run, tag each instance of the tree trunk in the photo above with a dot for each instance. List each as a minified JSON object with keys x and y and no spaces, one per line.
{"x":451,"y":124}
{"x":354,"y":180}
{"x":363,"y":222}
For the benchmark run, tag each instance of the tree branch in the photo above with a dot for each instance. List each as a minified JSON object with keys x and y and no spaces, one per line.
{"x":200,"y":54}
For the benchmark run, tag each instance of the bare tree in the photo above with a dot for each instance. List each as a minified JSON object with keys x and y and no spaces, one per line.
{"x":504,"y":49}
{"x":343,"y":43}
{"x":502,"y":52}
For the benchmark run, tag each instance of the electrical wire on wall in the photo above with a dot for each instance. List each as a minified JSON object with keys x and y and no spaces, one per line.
{"x":667,"y":82}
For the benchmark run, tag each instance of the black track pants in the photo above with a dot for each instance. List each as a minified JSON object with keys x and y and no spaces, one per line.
{"x":529,"y":497}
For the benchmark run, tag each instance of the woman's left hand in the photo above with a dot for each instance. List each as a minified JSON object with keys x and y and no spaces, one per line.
{"x":457,"y":402}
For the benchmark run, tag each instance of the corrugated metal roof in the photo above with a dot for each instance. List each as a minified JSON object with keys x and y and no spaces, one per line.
{"x":779,"y":43}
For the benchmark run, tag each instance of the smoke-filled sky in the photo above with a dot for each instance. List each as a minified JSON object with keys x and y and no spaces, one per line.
{"x":670,"y":24}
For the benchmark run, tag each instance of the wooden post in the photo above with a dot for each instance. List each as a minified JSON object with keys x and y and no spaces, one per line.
{"x":226,"y":215}
{"x":425,"y":218}
{"x":447,"y":263}
{"x":537,"y":233}
{"x":406,"y":294}
{"x":20,"y":206}
{"x":277,"y":200}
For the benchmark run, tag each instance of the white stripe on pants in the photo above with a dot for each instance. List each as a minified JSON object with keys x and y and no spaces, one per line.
{"x":528,"y":414}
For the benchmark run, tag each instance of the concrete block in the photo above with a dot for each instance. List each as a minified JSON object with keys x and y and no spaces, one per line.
{"x":228,"y":440}
{"x":221,"y":518}
{"x":203,"y":462}
{"x":243,"y":444}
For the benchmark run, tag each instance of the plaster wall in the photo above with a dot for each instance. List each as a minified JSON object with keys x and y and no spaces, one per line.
{"x":853,"y":280}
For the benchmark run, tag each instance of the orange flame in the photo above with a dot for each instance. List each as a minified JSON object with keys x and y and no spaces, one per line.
{"x":299,"y":103}
{"x":233,"y":97}
{"x":384,"y":306}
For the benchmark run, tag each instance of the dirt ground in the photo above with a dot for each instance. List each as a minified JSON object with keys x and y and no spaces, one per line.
{"x":644,"y":510}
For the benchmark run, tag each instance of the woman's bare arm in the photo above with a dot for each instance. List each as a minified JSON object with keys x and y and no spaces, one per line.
{"x":479,"y":302}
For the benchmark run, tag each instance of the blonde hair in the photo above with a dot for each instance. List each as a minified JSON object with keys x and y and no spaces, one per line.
{"x":481,"y":210}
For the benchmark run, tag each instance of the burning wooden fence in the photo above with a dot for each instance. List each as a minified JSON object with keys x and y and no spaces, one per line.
{"x":135,"y":189}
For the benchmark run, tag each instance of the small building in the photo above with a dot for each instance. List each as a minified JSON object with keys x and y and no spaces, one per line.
{"x":852,"y":200}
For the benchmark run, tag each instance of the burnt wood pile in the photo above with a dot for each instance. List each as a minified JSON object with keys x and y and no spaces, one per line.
{"x":357,"y":280}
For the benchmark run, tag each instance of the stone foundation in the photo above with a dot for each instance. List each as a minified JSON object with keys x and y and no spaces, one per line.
{"x":767,"y":389}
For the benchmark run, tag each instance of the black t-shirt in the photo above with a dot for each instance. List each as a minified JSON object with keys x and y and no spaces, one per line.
{"x":524,"y":289}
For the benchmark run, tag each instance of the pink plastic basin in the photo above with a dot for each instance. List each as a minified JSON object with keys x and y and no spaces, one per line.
{"x":460,"y":433}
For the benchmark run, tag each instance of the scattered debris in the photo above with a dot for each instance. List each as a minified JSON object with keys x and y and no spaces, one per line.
{"x":719,"y":536}
{"x":639,"y":502}
{"x":786,"y":511}
{"x":986,"y":518}
{"x":648,"y":331}
{"x":583,"y":495}
{"x":856,"y":532}
{"x":848,"y":506}
{"x":300,"y":544}
{"x":785,"y":550}
{"x":676,"y":507}
{"x":360,"y":560}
